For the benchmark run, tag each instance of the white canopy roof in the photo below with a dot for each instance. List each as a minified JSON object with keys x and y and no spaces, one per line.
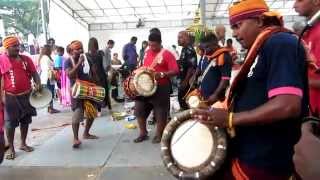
{"x":116,"y":11}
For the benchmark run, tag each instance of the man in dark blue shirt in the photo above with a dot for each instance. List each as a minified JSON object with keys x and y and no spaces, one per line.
{"x":215,"y":73}
{"x":187,"y":65}
{"x":267,"y":98}
{"x":129,"y":54}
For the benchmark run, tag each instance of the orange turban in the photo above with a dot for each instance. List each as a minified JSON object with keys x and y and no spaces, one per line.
{"x":246,"y":9}
{"x":75,"y":45}
{"x":10,"y":41}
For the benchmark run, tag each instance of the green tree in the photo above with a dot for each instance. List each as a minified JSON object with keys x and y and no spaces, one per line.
{"x":21,"y":15}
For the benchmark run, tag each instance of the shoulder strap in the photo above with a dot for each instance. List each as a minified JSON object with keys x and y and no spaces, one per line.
{"x":158,"y":58}
{"x":206,"y":70}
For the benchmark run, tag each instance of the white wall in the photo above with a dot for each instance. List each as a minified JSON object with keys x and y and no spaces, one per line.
{"x":121,"y":37}
{"x":64,"y":29}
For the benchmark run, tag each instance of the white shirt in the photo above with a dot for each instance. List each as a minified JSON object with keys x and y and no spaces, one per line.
{"x":31,"y":39}
{"x":45,"y":65}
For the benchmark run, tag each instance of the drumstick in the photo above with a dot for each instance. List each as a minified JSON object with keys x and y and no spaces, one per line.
{"x":189,"y":128}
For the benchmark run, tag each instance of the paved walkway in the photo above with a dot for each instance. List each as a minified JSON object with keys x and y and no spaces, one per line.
{"x":113,"y":156}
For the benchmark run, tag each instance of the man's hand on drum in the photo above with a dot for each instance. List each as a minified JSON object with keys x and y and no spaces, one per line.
{"x":212,"y":117}
{"x":37,"y":87}
{"x":159,"y":75}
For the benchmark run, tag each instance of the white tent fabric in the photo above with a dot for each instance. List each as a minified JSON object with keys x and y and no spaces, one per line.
{"x":117,"y":11}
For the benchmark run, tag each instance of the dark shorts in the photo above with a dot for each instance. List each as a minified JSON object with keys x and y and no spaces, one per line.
{"x":159,"y":103}
{"x":17,"y":110}
{"x":1,"y":146}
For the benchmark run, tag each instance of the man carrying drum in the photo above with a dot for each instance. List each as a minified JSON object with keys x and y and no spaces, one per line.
{"x":165,"y":66}
{"x":75,"y":68}
{"x":216,"y":71}
{"x":17,"y":72}
{"x":267,"y":98}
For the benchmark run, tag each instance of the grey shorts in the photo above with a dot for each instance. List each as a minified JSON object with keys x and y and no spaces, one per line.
{"x":13,"y":123}
{"x":77,"y":116}
{"x":18,"y":111}
{"x":159,"y":103}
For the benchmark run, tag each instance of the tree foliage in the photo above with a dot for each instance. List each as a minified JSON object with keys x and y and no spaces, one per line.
{"x":22,"y":15}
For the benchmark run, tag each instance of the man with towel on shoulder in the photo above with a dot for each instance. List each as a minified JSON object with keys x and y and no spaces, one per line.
{"x":17,"y":71}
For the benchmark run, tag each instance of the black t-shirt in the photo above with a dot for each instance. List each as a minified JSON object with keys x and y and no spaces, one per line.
{"x":97,"y":73}
{"x":188,"y":58}
{"x":276,"y":71}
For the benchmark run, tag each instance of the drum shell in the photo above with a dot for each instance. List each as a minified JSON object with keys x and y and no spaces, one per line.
{"x":86,"y":90}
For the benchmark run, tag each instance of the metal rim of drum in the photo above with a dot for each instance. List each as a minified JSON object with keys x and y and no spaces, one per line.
{"x":126,"y":87}
{"x":209,"y":167}
{"x":135,"y":82}
{"x":46,"y":99}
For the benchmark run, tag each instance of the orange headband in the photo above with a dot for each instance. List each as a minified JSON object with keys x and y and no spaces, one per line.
{"x":10,"y":41}
{"x":75,"y":45}
{"x":246,"y":9}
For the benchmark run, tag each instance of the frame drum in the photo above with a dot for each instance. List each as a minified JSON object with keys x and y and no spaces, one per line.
{"x":190,"y":149}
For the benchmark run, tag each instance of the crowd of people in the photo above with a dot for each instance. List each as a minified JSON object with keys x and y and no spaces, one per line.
{"x":263,"y":107}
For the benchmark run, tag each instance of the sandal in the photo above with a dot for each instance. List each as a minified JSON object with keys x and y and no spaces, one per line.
{"x":26,"y":148}
{"x":10,"y":156}
{"x":76,"y":144}
{"x":156,"y":140}
{"x":141,"y":138}
{"x":90,"y":136}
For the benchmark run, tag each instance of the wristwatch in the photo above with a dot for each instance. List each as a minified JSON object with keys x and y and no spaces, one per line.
{"x":162,"y":75}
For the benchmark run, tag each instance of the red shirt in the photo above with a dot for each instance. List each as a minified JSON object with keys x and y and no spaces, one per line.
{"x":168,"y":63}
{"x":1,"y":118}
{"x":18,"y":79}
{"x":312,"y":40}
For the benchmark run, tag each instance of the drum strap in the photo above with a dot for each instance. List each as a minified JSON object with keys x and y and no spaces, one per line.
{"x":206,"y":70}
{"x":158,"y":59}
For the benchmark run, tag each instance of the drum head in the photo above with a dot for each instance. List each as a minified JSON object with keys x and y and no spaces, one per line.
{"x":144,"y":83}
{"x":40,"y":99}
{"x":193,"y":101}
{"x":192,"y":144}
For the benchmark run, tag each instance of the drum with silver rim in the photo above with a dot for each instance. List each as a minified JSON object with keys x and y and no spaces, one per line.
{"x":190,"y":149}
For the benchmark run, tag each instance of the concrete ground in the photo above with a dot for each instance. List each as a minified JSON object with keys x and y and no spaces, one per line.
{"x":113,"y":156}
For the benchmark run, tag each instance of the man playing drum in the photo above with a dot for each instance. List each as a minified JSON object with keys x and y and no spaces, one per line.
{"x":74,"y":67}
{"x":216,"y":72}
{"x":17,"y":72}
{"x":165,"y":67}
{"x":267,"y":98}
